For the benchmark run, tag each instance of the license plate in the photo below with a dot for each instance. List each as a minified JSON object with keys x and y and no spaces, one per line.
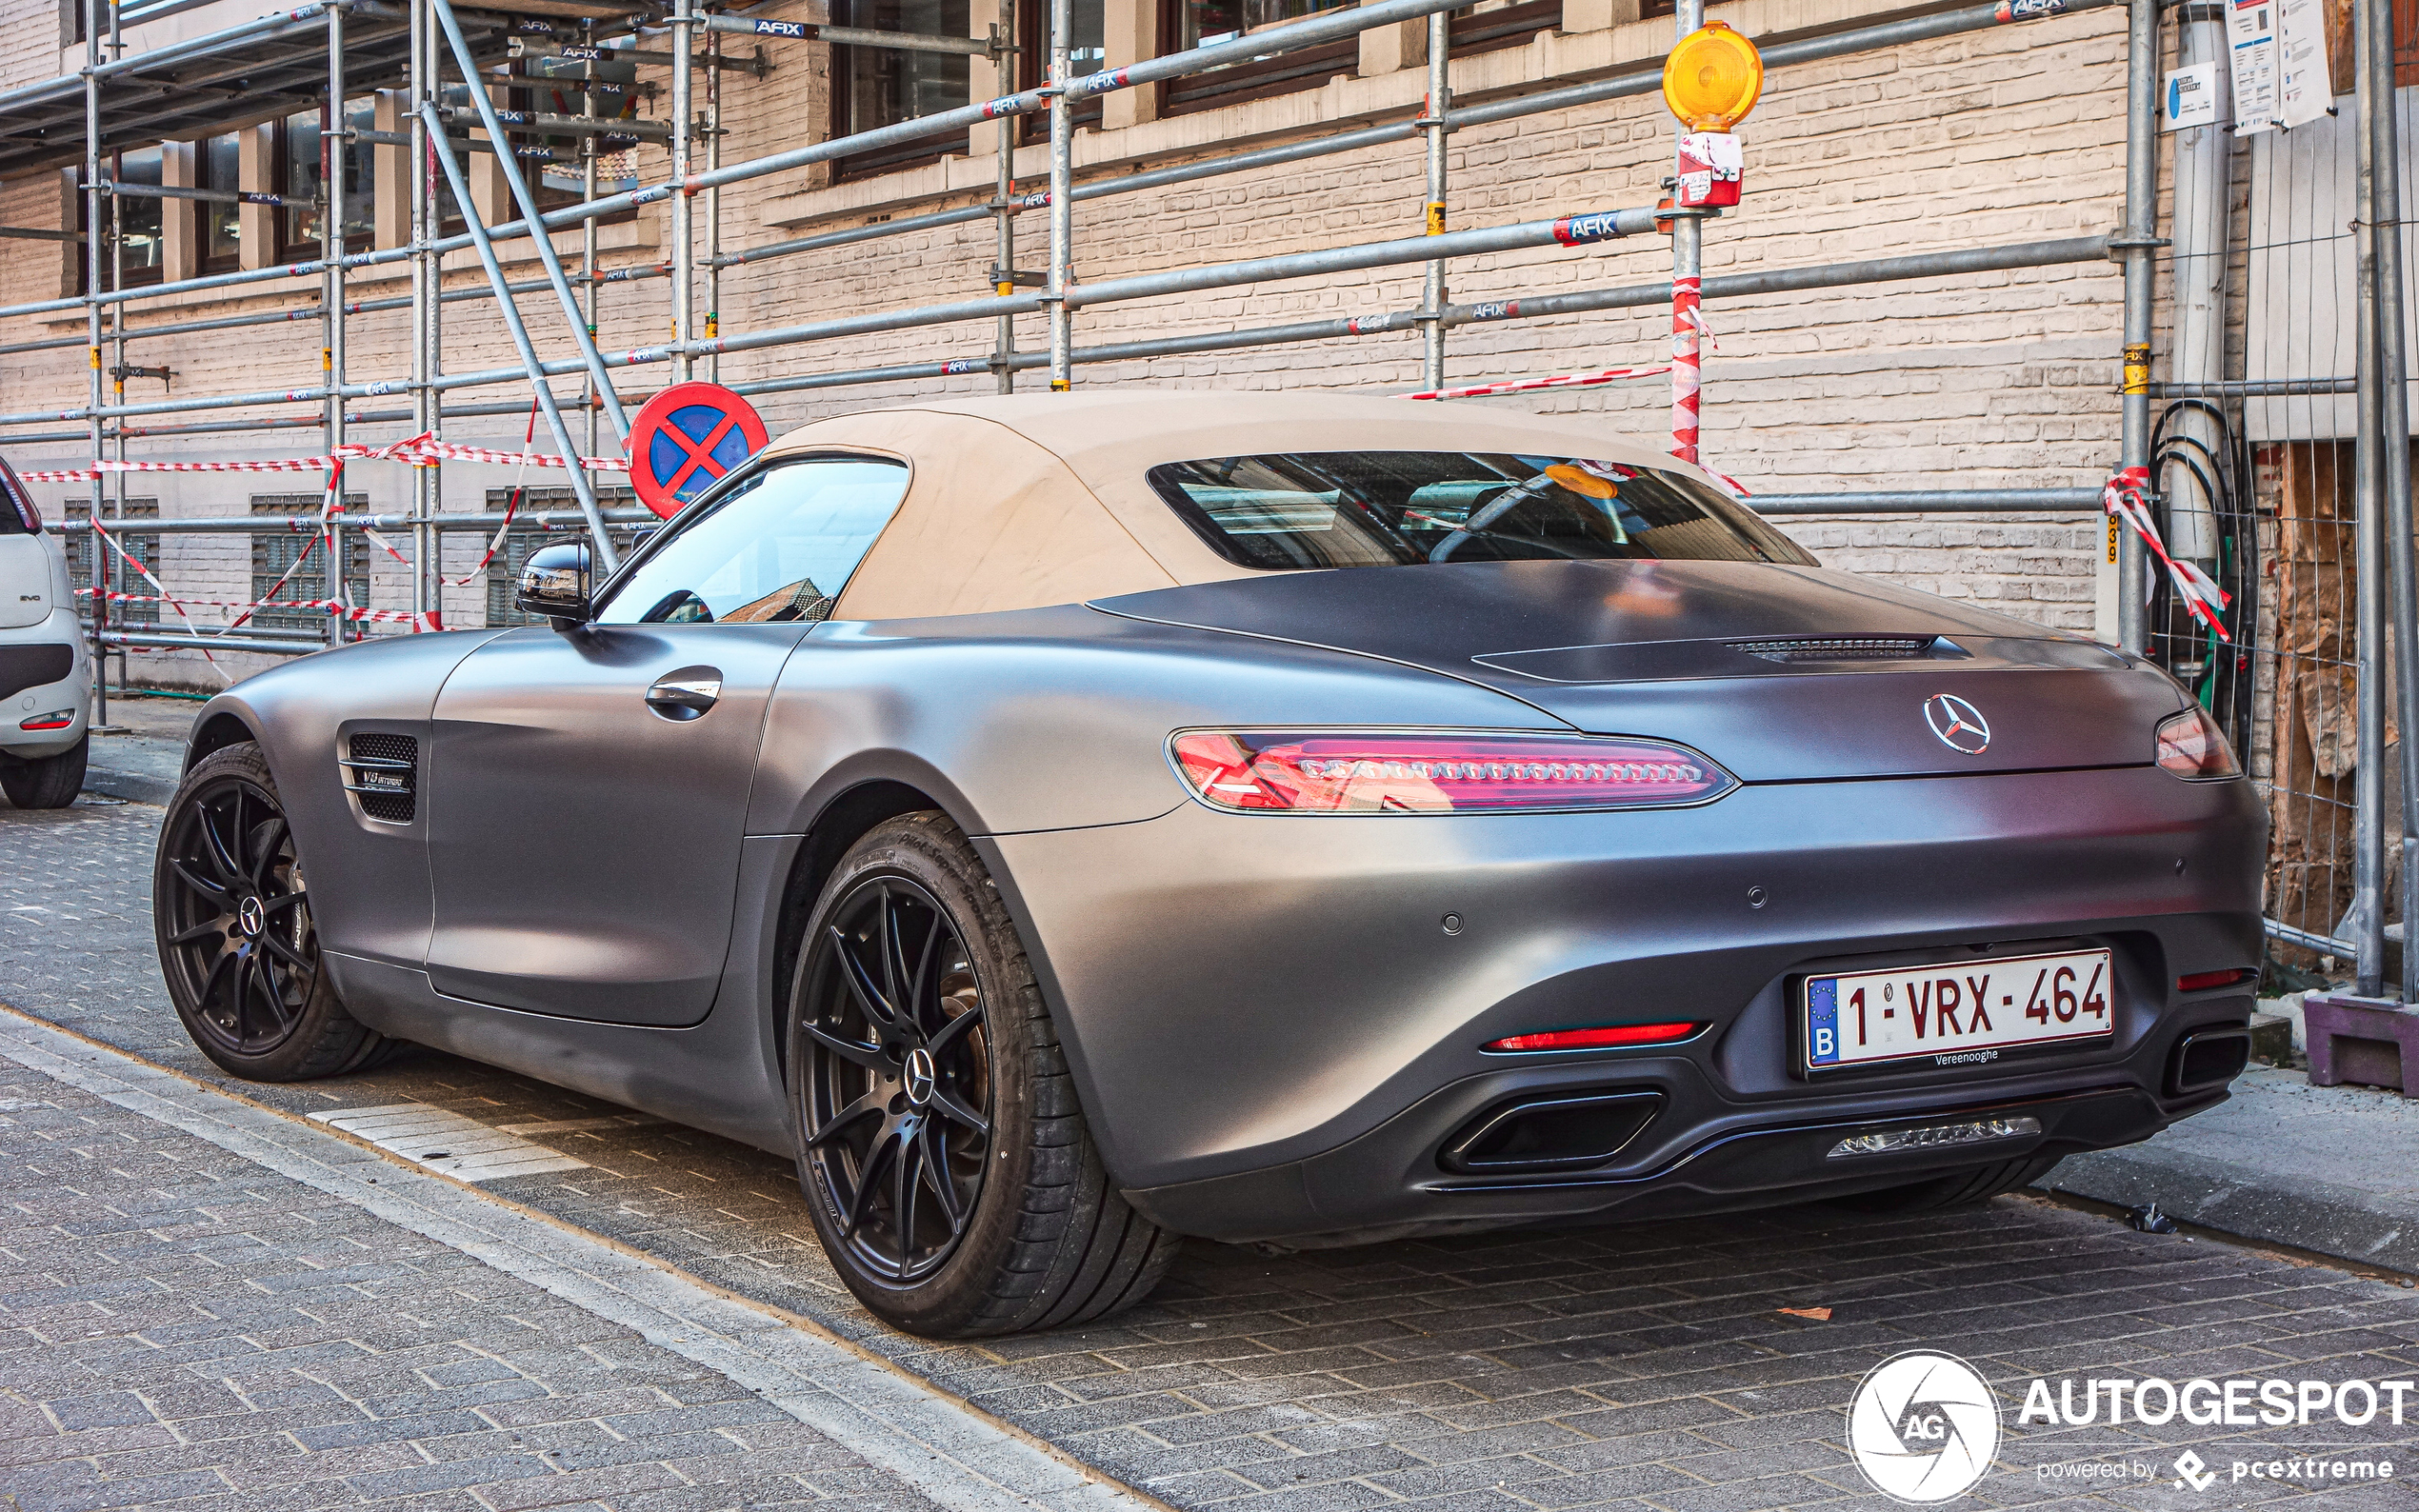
{"x":1961,"y":1013}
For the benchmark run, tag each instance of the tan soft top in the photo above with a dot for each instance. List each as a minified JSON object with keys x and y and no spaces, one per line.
{"x":1025,"y":500}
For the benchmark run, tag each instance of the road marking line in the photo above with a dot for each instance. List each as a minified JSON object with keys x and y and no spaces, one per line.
{"x":445,"y":1140}
{"x":960,"y":1457}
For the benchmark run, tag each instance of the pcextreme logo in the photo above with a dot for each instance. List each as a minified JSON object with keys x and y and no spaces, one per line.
{"x":1922,"y":1428}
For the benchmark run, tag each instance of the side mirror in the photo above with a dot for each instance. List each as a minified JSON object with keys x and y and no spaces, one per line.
{"x":555,"y":582}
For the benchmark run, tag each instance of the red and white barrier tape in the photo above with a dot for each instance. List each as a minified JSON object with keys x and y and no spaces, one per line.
{"x":418,"y":451}
{"x":318,"y":606}
{"x":1521,"y":386}
{"x":2127,"y":496}
{"x":1687,"y":327}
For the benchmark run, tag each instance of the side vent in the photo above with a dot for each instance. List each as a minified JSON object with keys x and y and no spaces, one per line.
{"x":1840,"y":649}
{"x":384,"y":772}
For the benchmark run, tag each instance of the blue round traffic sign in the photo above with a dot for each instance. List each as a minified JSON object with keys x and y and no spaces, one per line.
{"x":685,"y":438}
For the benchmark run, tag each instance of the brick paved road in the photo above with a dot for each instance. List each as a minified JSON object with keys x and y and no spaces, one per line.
{"x":1638,"y":1367}
{"x":180,"y":1326}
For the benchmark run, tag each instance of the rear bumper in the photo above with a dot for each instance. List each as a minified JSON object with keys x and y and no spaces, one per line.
{"x":1274,"y":1038}
{"x":72,"y":691}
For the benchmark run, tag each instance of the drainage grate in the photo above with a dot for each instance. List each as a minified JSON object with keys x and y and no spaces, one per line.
{"x":383,"y":772}
{"x":447,"y":1142}
{"x":1839,"y":649}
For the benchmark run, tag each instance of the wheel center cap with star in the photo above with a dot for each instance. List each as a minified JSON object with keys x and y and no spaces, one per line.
{"x":252,"y":916}
{"x":920,"y":1076}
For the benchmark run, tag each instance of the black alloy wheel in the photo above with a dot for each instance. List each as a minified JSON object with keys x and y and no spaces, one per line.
{"x":238,"y":930}
{"x":898,"y":1085}
{"x":941,"y":1149}
{"x":230,"y":909}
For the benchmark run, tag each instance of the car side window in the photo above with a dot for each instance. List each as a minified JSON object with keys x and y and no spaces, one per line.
{"x":780,"y":545}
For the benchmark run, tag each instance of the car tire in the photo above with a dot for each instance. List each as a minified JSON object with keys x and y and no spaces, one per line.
{"x":45,"y":781}
{"x":942,"y":1150}
{"x":1956,"y":1190}
{"x":232,"y":914}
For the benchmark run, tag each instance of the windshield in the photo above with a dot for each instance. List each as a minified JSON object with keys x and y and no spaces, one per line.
{"x":1395,"y":508}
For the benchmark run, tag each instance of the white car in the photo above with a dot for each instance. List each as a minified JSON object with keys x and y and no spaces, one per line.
{"x":46,"y":674}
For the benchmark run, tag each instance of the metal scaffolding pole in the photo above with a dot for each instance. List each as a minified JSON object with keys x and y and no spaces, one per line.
{"x":518,"y":184}
{"x":2139,"y":245}
{"x":2393,"y":375}
{"x":420,"y":87}
{"x":1003,"y":206}
{"x":581,"y":486}
{"x":93,"y":283}
{"x":713,"y":198}
{"x":332,"y":128}
{"x":684,"y":241}
{"x":1687,"y":282}
{"x":1434,"y":123}
{"x":1062,"y":199}
{"x":589,"y":291}
{"x":2365,"y":924}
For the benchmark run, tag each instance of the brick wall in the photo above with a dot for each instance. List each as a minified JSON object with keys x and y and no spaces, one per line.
{"x":2006,"y":379}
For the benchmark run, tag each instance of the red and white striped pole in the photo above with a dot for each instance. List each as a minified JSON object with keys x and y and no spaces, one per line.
{"x":1685,"y":328}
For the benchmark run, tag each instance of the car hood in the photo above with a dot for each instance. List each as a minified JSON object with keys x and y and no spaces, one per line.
{"x":1756,"y":665}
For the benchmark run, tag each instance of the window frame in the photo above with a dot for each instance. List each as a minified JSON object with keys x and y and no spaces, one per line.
{"x":355,"y":572}
{"x":923,"y":153}
{"x":291,"y":248}
{"x":200,"y":210}
{"x":1240,"y":83}
{"x":1032,"y":63}
{"x":1473,"y":32}
{"x":135,"y":277}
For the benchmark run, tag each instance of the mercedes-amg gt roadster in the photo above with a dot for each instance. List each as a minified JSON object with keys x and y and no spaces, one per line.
{"x":1064,"y":824}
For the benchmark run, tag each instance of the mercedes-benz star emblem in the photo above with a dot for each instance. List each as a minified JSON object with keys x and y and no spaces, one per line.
{"x":1959,"y":724}
{"x":919,"y":1076}
{"x":252,"y":916}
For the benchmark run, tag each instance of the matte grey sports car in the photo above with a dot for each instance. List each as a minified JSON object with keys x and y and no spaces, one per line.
{"x":1069,"y":822}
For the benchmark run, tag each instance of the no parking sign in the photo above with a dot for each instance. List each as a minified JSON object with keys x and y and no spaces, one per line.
{"x":685,"y":438}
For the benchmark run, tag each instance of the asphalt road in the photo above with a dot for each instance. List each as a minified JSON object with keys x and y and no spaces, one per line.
{"x":1686,"y":1367}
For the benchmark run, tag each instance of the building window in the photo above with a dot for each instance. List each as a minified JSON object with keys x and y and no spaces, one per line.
{"x":83,"y":549}
{"x":556,"y":85}
{"x":274,"y":552}
{"x":138,"y":219}
{"x":877,"y":87}
{"x":505,"y":572}
{"x":1186,"y":24}
{"x":218,"y":164}
{"x":1087,"y":52}
{"x":299,"y":180}
{"x":1505,"y":24}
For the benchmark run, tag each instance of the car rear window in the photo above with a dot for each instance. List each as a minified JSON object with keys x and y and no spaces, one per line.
{"x":1299,"y":509}
{"x":17,"y":514}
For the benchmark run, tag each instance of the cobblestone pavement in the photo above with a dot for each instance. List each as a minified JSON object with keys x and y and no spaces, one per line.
{"x":1647,"y":1366}
{"x":180,"y":1326}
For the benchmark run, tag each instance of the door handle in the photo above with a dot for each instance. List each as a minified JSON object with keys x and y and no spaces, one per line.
{"x":686,"y":694}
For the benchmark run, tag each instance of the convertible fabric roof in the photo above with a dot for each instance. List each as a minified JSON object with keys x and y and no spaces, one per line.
{"x":1021,"y":501}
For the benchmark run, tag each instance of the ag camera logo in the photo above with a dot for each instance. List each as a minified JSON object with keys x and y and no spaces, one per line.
{"x":1922,"y":1428}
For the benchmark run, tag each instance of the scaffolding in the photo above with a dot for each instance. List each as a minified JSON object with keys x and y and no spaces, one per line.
{"x":323,"y":50}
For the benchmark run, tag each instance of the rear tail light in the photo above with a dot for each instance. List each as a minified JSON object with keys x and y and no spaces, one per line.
{"x":2193,"y":748}
{"x":1345,"y":772}
{"x":57,"y":719}
{"x":1605,"y":1037}
{"x":2202,"y":981}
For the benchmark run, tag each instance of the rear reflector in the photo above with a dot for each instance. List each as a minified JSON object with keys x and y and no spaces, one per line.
{"x":1348,"y":772}
{"x":59,"y":719}
{"x":1940,"y":1136}
{"x":2202,"y":981}
{"x":1599,"y":1039}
